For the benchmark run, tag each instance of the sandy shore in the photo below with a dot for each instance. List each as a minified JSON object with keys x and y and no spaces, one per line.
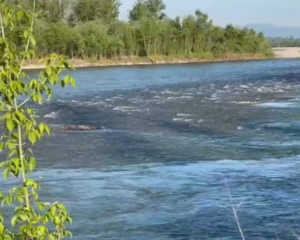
{"x":287,"y":52}
{"x":142,"y":61}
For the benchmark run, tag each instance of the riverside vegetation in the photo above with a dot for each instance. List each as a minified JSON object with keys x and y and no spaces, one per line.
{"x":284,"y":42}
{"x":22,"y":215}
{"x":91,"y":30}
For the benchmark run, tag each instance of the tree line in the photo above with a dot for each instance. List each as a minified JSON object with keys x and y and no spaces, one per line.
{"x":284,"y":42}
{"x":92,"y":29}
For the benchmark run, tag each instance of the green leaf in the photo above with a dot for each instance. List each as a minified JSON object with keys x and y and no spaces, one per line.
{"x":45,"y":219}
{"x":10,"y":125}
{"x":42,"y":127}
{"x":61,"y":206}
{"x":72,"y":82}
{"x":32,"y":41}
{"x":32,"y":137}
{"x":23,"y":217}
{"x":35,"y":196}
{"x":6,"y":20}
{"x":68,"y":233}
{"x":26,"y":34}
{"x":31,"y":182}
{"x":41,"y":206}
{"x":10,"y":145}
{"x":67,"y":79}
{"x":57,"y":220}
{"x":2,"y":228}
{"x":6,"y":173}
{"x":69,"y":220}
{"x":53,"y":210}
{"x":12,"y":153}
{"x":14,"y":220}
{"x":20,"y":199}
{"x":51,"y":237}
{"x":42,"y":230}
{"x":8,"y":199}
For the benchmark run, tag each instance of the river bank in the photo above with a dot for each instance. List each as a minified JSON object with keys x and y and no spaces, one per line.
{"x":286,"y":52}
{"x":136,"y":61}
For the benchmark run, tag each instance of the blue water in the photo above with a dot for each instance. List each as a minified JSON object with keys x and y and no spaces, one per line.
{"x":173,"y":135}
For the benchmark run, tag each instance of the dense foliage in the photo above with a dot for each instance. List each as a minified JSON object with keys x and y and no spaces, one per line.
{"x":284,"y":42}
{"x":91,"y":29}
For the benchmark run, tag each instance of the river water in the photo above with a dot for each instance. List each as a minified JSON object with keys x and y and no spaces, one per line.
{"x":173,"y":136}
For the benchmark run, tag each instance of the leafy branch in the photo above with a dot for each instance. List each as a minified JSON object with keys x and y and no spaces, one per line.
{"x":31,"y":219}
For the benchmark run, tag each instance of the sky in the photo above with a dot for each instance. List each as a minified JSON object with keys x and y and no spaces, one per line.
{"x":237,"y":12}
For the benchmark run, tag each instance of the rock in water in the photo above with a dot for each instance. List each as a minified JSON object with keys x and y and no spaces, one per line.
{"x":81,"y":127}
{"x":76,"y":127}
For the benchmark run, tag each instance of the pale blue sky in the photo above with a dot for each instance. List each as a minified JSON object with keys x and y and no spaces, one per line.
{"x":238,"y":12}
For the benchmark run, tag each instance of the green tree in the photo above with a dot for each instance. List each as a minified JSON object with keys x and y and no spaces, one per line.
{"x":93,"y":30}
{"x":130,"y":39}
{"x":188,"y":30}
{"x":30,"y":219}
{"x":149,"y":28}
{"x":156,"y":8}
{"x":138,"y":11}
{"x":147,"y":8}
{"x":90,"y":10}
{"x":51,"y":10}
{"x":284,"y":42}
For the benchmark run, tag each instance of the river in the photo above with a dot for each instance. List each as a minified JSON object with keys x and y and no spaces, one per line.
{"x":174,"y":134}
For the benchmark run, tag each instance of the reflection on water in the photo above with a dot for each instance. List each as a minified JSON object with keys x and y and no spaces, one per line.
{"x":173,"y":134}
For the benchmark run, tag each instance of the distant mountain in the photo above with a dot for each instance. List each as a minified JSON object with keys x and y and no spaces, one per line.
{"x":276,"y":31}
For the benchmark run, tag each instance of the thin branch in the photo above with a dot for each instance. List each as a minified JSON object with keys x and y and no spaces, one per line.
{"x":240,"y":204}
{"x":234,"y":209}
{"x":28,"y":41}
{"x":28,"y":98}
{"x":2,"y":25}
{"x":296,"y":235}
{"x":24,"y":102}
{"x":20,"y":140}
{"x":26,"y":49}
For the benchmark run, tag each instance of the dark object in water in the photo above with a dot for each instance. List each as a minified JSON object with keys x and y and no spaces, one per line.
{"x":76,"y":127}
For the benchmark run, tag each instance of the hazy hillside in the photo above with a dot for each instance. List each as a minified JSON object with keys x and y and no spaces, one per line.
{"x":276,"y":31}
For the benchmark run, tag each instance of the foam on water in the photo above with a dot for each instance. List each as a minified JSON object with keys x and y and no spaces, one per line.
{"x":128,"y":109}
{"x":52,"y":115}
{"x":279,"y":105}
